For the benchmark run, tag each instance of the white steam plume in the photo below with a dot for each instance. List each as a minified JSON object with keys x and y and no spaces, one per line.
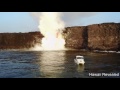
{"x":71,"y":18}
{"x":51,"y":26}
{"x":50,"y":23}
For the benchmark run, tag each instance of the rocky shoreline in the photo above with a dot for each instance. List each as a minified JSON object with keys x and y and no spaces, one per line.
{"x":105,"y":36}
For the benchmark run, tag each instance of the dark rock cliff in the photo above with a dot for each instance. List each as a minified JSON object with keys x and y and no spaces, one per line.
{"x":76,"y":37}
{"x":105,"y":36}
{"x":19,"y":40}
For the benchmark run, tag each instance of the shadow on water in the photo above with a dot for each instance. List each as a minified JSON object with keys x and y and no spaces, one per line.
{"x":80,"y":68}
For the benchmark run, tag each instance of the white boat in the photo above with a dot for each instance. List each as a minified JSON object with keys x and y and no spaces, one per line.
{"x":79,"y":60}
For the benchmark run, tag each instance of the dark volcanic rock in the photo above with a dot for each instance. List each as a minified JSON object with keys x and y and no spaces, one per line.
{"x":76,"y":37}
{"x":104,"y":36}
{"x":19,"y":40}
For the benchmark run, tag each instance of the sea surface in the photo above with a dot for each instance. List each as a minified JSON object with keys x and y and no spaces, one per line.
{"x":57,"y":64}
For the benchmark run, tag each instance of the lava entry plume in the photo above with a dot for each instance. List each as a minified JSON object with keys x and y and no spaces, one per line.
{"x":51,"y":26}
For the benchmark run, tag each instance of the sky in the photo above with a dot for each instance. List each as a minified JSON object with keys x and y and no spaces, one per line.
{"x":29,"y":21}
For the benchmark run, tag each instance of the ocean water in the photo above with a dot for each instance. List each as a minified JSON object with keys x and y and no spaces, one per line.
{"x":57,"y":64}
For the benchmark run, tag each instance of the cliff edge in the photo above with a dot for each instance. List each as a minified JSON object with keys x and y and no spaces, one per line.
{"x":105,"y":36}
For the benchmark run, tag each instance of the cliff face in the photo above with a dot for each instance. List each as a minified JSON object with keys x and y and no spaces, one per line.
{"x":76,"y":37}
{"x":19,"y":40}
{"x":104,"y":36}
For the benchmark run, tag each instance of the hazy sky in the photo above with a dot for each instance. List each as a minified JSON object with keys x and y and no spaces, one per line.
{"x":27,"y":21}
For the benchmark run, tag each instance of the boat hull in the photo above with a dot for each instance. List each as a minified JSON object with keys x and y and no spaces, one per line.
{"x":79,"y":61}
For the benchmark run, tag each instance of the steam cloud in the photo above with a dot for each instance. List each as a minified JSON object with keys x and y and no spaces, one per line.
{"x":51,"y":25}
{"x":70,"y":18}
